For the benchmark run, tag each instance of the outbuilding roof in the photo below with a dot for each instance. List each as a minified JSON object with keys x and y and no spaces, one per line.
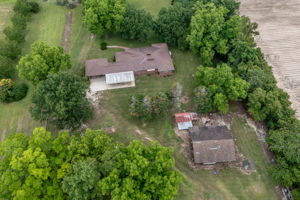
{"x":212,"y":144}
{"x":156,"y":57}
{"x":121,"y":77}
{"x":185,"y":117}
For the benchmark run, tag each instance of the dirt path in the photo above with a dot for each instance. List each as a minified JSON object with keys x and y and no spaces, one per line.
{"x":279,"y":27}
{"x":117,"y":47}
{"x":66,"y":38}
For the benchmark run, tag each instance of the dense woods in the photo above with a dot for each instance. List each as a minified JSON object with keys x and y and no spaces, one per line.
{"x":91,"y":166}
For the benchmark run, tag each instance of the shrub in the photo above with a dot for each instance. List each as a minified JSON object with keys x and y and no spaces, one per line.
{"x":6,"y":67}
{"x":103,"y":45}
{"x":71,"y":5}
{"x":18,"y":92}
{"x":34,"y":7}
{"x":148,"y":107}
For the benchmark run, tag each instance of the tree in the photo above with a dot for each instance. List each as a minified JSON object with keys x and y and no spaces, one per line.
{"x":61,"y":100}
{"x":103,"y":16}
{"x":81,"y":182}
{"x":206,"y":28}
{"x":222,"y":84}
{"x":23,"y":7}
{"x":27,"y":169}
{"x":245,"y":52}
{"x":172,"y":24}
{"x":6,"y":67}
{"x":5,"y":87}
{"x":149,"y":107}
{"x":137,"y":24}
{"x":142,"y":173}
{"x":231,"y":5}
{"x":257,"y":77}
{"x":10,"y":49}
{"x":42,"y":61}
{"x":15,"y":33}
{"x":272,"y":106}
{"x":203,"y":100}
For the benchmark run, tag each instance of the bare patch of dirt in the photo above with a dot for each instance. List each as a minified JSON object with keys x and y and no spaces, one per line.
{"x":66,"y":38}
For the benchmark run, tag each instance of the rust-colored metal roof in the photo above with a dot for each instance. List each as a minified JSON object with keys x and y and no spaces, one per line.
{"x":185,"y":117}
{"x":136,"y":59}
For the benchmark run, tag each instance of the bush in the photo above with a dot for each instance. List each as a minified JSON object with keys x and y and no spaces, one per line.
{"x":18,"y":92}
{"x":71,"y":5}
{"x":6,"y":67}
{"x":103,"y":45}
{"x":34,"y":7}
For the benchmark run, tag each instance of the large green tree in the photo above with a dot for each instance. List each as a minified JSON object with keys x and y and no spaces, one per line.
{"x":285,"y":142}
{"x":142,"y":173}
{"x":81,"y":182}
{"x":172,"y":24}
{"x":103,"y":16}
{"x":42,"y":166}
{"x":29,"y":166}
{"x":206,"y":38}
{"x":61,"y":100}
{"x":222,"y":85}
{"x":6,"y":67}
{"x":42,"y":61}
{"x":272,"y":106}
{"x":231,"y":5}
{"x":137,"y":25}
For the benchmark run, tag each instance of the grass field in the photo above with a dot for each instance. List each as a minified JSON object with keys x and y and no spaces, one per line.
{"x":228,"y":184}
{"x":5,"y":8}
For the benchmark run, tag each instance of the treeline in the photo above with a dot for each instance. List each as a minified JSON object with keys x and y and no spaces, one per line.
{"x":10,"y":50}
{"x":219,"y":35}
{"x":91,"y":166}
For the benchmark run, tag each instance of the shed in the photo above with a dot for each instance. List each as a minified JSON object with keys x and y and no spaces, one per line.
{"x":212,"y":144}
{"x":121,"y":77}
{"x":185,"y":120}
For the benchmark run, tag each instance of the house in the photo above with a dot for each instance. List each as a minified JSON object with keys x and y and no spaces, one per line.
{"x":184,"y":120}
{"x":155,"y":59}
{"x":212,"y":144}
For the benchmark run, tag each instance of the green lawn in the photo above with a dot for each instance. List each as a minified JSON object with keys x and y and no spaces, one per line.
{"x":229,"y":184}
{"x":5,"y":9}
{"x":47,"y":26}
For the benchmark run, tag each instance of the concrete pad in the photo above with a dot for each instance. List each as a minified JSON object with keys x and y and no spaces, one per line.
{"x":99,"y":84}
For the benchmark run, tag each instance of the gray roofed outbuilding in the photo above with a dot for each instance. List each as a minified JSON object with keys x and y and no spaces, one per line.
{"x":212,"y":144}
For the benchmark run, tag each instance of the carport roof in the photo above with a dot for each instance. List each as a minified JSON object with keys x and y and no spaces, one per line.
{"x":121,"y":77}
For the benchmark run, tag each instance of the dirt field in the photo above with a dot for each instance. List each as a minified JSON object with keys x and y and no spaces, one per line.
{"x":279,"y":27}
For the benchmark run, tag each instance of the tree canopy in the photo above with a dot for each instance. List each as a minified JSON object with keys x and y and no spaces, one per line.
{"x":90,"y":166}
{"x":222,"y":85}
{"x":42,"y":61}
{"x":60,"y":99}
{"x":206,"y":28}
{"x":142,"y":173}
{"x":103,"y":16}
{"x":172,"y":24}
{"x":137,"y":24}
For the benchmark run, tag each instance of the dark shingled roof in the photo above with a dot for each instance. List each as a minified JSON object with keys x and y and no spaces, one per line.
{"x":210,"y":133}
{"x":212,"y":144}
{"x":136,"y":59}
